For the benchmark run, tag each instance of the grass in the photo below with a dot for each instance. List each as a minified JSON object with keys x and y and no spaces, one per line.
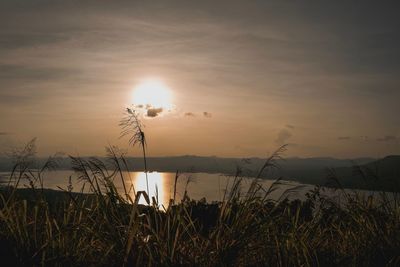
{"x":103,"y":227}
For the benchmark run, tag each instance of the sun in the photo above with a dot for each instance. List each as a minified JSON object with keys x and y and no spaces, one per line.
{"x":152,"y":93}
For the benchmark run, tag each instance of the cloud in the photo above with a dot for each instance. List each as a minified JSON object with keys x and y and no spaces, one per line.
{"x":24,"y":40}
{"x":362,"y":138}
{"x":4,"y":133}
{"x":189,"y":114}
{"x":149,"y":110}
{"x":34,"y":73}
{"x":388,"y":138}
{"x":290,"y":126}
{"x":283,"y":136}
{"x":293,"y":144}
{"x":299,"y":69}
{"x":207,"y":114}
{"x":154,"y":112}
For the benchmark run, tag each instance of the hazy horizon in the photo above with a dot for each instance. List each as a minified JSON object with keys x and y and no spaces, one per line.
{"x":132,"y":154}
{"x":230,"y":79}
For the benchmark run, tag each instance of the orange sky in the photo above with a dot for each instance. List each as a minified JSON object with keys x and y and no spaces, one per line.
{"x":322,"y":78}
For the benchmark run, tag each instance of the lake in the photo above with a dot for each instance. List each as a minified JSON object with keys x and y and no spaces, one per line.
{"x":161,"y":185}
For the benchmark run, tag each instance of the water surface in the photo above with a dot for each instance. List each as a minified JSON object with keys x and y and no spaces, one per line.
{"x":212,"y":187}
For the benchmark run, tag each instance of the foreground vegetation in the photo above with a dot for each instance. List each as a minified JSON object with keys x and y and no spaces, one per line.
{"x":103,"y":227}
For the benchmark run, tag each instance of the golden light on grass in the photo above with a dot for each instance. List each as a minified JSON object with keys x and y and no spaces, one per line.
{"x":152,"y":93}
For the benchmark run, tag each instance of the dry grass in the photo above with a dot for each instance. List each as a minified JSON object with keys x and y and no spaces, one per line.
{"x":106,"y":228}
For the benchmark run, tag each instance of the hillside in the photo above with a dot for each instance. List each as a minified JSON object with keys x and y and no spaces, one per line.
{"x":382,"y":174}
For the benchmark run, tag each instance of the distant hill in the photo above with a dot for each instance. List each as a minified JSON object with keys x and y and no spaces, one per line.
{"x":306,"y":170}
{"x":216,"y":164}
{"x":382,"y":174}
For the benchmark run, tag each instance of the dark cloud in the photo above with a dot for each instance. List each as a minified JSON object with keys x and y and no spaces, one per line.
{"x":387,"y":138}
{"x":362,"y":138}
{"x":3,"y":133}
{"x":150,"y":110}
{"x":189,"y":114}
{"x":290,"y":126}
{"x":283,"y":136}
{"x":207,"y":114}
{"x":154,"y":112}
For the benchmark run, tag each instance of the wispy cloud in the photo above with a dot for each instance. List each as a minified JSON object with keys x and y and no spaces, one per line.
{"x":207,"y":114}
{"x":283,"y":136}
{"x":275,"y":63}
{"x":388,"y":138}
{"x":189,"y":114}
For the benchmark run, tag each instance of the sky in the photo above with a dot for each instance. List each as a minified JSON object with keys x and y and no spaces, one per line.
{"x":243,"y":77}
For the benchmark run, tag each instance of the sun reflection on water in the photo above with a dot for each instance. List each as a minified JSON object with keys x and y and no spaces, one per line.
{"x":157,"y":186}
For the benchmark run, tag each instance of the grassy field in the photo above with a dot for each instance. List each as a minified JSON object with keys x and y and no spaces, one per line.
{"x":41,"y":227}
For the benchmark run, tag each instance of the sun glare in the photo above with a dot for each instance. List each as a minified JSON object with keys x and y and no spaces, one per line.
{"x":152,"y":93}
{"x":157,"y":186}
